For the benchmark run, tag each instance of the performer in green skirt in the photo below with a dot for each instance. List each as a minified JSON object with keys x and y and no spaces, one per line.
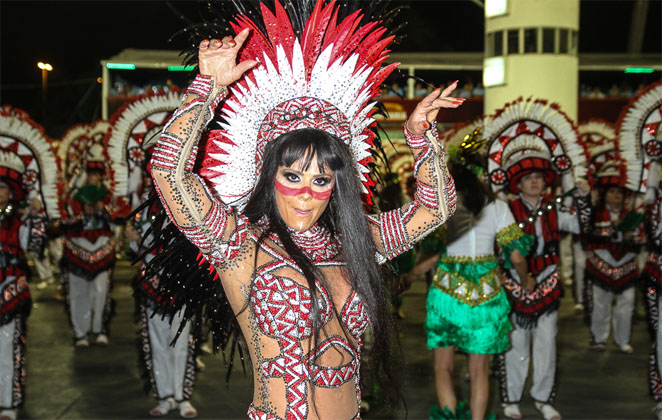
{"x":467,"y":309}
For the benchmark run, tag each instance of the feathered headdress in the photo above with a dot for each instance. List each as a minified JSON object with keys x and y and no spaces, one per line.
{"x":598,"y":139}
{"x":134,"y":127}
{"x":640,"y":138}
{"x":466,"y":145}
{"x":71,"y":151}
{"x":318,"y":70}
{"x":530,"y":135}
{"x":27,"y":162}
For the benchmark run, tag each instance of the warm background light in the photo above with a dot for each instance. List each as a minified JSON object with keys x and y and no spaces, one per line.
{"x":44,"y":66}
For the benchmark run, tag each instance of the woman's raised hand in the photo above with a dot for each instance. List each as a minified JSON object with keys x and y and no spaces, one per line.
{"x":218,"y":58}
{"x":426,"y":111}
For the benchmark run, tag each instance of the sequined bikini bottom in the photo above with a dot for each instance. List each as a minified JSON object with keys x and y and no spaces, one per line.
{"x":255,"y":413}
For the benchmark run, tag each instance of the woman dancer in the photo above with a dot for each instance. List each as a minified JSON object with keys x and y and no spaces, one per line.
{"x":299,"y":262}
{"x":467,"y":309}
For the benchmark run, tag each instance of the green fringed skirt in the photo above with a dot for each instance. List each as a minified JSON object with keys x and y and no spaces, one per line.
{"x":480,"y":329}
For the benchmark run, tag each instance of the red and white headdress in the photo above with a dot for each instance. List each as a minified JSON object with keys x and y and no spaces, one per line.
{"x":640,"y":138}
{"x":531,"y":135}
{"x":324,"y":76}
{"x":598,"y":139}
{"x":133,"y":127}
{"x":71,"y":151}
{"x":27,"y":162}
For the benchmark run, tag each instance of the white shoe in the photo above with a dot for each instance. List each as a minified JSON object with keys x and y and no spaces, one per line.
{"x":599,"y":347}
{"x":579,"y":308}
{"x":186,"y":410}
{"x":205,"y":349}
{"x":512,"y":411}
{"x":42,"y":285}
{"x":81,"y":343}
{"x":102,"y":340}
{"x":163,"y":407}
{"x":548,"y":411}
{"x":626,"y":348}
{"x":199,"y":364}
{"x":657,"y":410}
{"x":9,"y":414}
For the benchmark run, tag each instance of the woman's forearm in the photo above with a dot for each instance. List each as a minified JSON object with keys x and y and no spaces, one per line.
{"x":184,"y":195}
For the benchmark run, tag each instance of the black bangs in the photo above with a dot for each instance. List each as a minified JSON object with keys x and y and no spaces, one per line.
{"x":308,"y":142}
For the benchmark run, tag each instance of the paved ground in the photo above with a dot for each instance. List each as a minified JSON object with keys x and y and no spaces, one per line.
{"x":104,"y":383}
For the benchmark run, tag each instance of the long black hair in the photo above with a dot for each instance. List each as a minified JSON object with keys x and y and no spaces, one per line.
{"x":473,"y":196}
{"x":473,"y":193}
{"x":344,"y":218}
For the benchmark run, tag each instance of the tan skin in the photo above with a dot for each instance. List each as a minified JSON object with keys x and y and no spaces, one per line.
{"x":615,"y":198}
{"x":478,"y":363}
{"x":5,"y":195}
{"x":219,"y":59}
{"x":532,"y":187}
{"x":302,"y":210}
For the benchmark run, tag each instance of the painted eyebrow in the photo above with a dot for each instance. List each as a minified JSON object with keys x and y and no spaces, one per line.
{"x":299,"y":173}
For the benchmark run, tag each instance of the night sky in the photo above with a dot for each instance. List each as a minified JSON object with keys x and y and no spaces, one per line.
{"x":74,"y":35}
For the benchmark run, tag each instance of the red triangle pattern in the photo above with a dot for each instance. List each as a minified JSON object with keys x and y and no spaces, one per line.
{"x":149,"y":124}
{"x":12,"y":147}
{"x":27,"y":159}
{"x":138,"y":137}
{"x":522,"y":128}
{"x":652,"y":128}
{"x":496,"y":156}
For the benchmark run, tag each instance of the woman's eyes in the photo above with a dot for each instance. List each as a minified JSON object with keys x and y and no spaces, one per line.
{"x":318,"y":182}
{"x":321,"y":182}
{"x":291,"y":177}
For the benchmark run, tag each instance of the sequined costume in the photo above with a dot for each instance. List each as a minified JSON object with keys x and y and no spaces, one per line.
{"x":87,"y":260}
{"x":15,"y":303}
{"x":466,"y":305}
{"x":168,"y":365}
{"x":27,"y":166}
{"x":652,"y":277}
{"x":533,"y":137}
{"x":276,"y":323}
{"x":535,"y":313}
{"x":611,"y":270}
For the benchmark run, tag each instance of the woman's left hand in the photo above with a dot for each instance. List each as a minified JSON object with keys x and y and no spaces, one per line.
{"x":218,"y":58}
{"x":426,"y":111}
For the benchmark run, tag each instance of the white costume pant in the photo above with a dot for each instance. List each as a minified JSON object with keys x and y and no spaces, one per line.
{"x":566,"y":257}
{"x":7,"y":364}
{"x":622,"y":317}
{"x":42,"y":267}
{"x":12,"y":363}
{"x":87,"y":299}
{"x":169,"y":363}
{"x":658,"y":337}
{"x":543,"y":340}
{"x":579,"y":254}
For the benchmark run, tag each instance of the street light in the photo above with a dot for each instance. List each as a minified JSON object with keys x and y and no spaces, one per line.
{"x":45,"y":68}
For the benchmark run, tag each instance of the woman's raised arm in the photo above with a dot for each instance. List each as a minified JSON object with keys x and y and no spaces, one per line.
{"x":190,"y":205}
{"x":434,"y":201}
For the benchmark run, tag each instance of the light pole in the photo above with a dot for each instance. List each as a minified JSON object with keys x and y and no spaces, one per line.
{"x":45,"y":68}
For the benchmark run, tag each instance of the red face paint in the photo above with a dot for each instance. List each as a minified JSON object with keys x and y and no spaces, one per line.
{"x":285,"y":190}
